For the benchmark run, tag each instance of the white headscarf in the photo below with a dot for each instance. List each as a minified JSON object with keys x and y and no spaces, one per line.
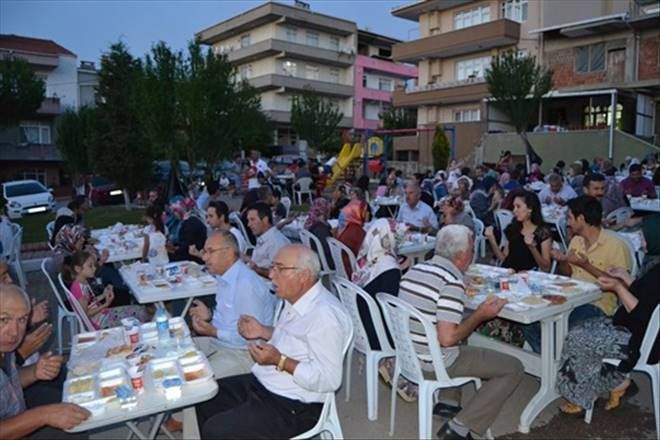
{"x":377,"y":253}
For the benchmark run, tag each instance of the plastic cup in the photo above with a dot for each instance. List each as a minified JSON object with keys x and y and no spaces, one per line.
{"x":136,"y":374}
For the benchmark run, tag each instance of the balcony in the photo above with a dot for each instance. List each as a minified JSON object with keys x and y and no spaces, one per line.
{"x":449,"y":92}
{"x":281,"y":48}
{"x":286,"y":83}
{"x":497,"y":33}
{"x":50,"y":106}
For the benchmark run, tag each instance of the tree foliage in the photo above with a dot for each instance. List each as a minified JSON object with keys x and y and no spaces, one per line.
{"x":119,"y":150}
{"x":316,"y":120}
{"x":440,"y":149}
{"x":517,"y":85}
{"x":74,"y":139}
{"x":21,"y":92}
{"x":398,"y":118}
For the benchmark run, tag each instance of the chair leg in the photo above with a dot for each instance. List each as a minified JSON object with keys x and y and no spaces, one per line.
{"x":654,"y":373}
{"x":395,"y":381}
{"x":372,"y":386}
{"x":60,"y":318}
{"x":588,"y":414}
{"x":424,"y":409}
{"x":349,"y":363}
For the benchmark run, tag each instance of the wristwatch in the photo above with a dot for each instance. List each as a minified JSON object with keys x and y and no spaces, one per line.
{"x":280,"y":364}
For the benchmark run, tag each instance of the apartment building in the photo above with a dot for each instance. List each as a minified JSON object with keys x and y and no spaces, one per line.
{"x":27,"y":150}
{"x":281,"y":50}
{"x":376,"y":78}
{"x":457,"y":40}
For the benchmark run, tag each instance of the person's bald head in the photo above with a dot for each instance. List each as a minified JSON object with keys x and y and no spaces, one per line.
{"x":14,"y":316}
{"x":296,"y":268}
{"x":220,"y":252}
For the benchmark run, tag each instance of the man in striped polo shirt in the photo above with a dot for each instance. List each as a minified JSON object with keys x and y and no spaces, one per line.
{"x":436,"y":289}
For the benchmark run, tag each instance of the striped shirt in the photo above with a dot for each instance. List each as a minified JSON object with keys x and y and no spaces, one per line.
{"x":436,"y":289}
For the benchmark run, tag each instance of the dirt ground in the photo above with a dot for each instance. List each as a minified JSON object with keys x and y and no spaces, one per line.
{"x":626,"y":422}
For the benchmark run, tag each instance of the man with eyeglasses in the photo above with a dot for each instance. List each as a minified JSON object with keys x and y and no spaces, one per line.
{"x":297,"y":362}
{"x":269,"y":239}
{"x":240,"y":292}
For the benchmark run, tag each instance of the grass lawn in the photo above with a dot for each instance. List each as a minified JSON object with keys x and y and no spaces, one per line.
{"x":34,"y":226}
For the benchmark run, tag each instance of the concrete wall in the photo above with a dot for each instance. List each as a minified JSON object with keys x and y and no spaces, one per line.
{"x":63,"y":82}
{"x":578,"y":10}
{"x":649,"y":55}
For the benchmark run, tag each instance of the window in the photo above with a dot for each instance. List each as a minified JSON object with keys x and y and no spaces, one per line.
{"x":364,"y":80}
{"x":312,"y":72}
{"x":590,"y":58}
{"x":472,"y":17}
{"x":515,"y":10}
{"x":601,"y":116}
{"x":289,"y":68}
{"x":245,"y":71}
{"x":35,"y":133}
{"x":472,"y":69}
{"x":371,"y":111}
{"x":245,"y":40}
{"x":385,"y":84}
{"x":334,"y":43}
{"x":469,"y":115}
{"x":334,"y":75}
{"x":291,"y":34}
{"x":312,"y":38}
{"x":38,"y":174}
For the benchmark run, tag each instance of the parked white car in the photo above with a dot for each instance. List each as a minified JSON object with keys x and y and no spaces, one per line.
{"x":26,"y":197}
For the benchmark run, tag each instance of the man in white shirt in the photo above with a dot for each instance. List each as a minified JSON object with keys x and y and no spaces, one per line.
{"x":240,"y":292}
{"x":417,"y":215}
{"x":257,"y":165}
{"x":297,"y":362}
{"x":556,"y":192}
{"x":269,"y":239}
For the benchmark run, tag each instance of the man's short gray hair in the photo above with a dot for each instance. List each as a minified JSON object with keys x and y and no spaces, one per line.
{"x":453,"y":240}
{"x":229,"y":240}
{"x":554,"y":177}
{"x":412,"y":184}
{"x":308,"y":260}
{"x":7,"y":289}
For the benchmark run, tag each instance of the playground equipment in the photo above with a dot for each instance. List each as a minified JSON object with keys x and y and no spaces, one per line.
{"x":347,"y":155}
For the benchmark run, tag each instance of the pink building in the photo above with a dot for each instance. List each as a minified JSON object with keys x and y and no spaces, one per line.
{"x":376,"y":78}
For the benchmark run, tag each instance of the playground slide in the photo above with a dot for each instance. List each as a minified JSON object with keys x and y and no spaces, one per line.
{"x":347,"y":155}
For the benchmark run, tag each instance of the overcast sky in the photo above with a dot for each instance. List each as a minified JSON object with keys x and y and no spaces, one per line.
{"x":88,"y":27}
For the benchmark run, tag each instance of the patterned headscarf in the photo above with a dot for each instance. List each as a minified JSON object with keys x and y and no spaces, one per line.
{"x":318,"y":213}
{"x":67,"y":237}
{"x":353,"y":213}
{"x":181,"y":208}
{"x":377,"y":253}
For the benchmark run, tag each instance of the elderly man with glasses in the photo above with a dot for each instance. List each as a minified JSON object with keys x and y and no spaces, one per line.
{"x":240,"y":292}
{"x":297,"y":362}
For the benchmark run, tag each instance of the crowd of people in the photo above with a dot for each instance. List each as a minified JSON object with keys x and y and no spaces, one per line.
{"x":278,"y":369}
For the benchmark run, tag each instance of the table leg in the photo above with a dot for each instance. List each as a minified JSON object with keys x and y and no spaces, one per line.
{"x":156,"y":426}
{"x":546,"y":393}
{"x":185,"y":309}
{"x":135,"y":430}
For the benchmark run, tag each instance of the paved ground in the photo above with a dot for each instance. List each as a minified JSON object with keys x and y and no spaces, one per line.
{"x":632,"y":420}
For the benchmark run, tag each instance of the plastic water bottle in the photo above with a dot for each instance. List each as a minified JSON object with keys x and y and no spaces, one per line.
{"x":162,"y":325}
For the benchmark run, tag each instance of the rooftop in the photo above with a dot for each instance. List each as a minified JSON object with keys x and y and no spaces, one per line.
{"x":29,"y":44}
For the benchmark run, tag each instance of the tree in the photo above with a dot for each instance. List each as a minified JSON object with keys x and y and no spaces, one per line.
{"x":398,"y":118}
{"x":440,"y":149}
{"x":119,"y":150}
{"x":74,"y":137}
{"x":316,"y":120}
{"x":517,"y":85}
{"x":21,"y":92}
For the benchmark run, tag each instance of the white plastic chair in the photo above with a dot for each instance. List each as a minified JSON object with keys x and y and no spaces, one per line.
{"x":479,"y":239}
{"x":642,"y":366}
{"x":348,"y":295}
{"x":307,"y":238}
{"x":83,"y":320}
{"x":287,"y":204}
{"x":235,"y":219}
{"x":632,"y":254}
{"x":63,"y":312}
{"x":338,"y":249}
{"x":329,"y":419}
{"x":503,"y":217}
{"x":14,"y":255}
{"x":398,"y":315}
{"x":553,"y":265}
{"x":50,"y":227}
{"x":620,"y":215}
{"x":304,"y":187}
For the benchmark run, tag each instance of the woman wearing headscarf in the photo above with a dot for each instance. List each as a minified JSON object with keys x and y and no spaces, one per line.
{"x":453,"y":212}
{"x":317,"y":224}
{"x":378,"y":270}
{"x":191,"y":231}
{"x":349,"y":231}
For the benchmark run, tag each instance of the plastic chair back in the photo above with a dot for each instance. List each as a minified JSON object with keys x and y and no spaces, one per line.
{"x":83,"y":319}
{"x":338,"y":249}
{"x":307,"y":238}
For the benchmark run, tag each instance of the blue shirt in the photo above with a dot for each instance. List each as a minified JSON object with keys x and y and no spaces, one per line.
{"x":240,"y":292}
{"x":11,"y":391}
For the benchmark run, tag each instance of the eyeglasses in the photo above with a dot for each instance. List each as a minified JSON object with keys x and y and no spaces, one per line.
{"x":277,"y":268}
{"x":212,"y":250}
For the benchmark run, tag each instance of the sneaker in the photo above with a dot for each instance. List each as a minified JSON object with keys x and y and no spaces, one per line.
{"x":446,"y":433}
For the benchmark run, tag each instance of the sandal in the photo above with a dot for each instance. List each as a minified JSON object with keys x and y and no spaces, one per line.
{"x":616,"y":396}
{"x":384,"y":374}
{"x":571,"y":408}
{"x":407,"y":393}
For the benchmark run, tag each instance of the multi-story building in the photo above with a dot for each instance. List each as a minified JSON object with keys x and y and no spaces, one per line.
{"x":376,"y":78}
{"x":27,"y":150}
{"x":282,"y":50}
{"x":457,"y":39}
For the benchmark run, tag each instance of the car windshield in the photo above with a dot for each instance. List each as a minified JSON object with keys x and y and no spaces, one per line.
{"x":24,"y":189}
{"x":100,"y":181}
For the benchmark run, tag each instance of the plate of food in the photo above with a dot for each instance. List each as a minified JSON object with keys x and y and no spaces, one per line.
{"x":555,"y":298}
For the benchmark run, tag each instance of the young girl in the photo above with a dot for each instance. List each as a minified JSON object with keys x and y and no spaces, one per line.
{"x":155,"y":249}
{"x":78,"y":269}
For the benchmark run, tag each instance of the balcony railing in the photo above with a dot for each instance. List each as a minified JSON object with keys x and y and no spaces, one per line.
{"x":444,"y":85}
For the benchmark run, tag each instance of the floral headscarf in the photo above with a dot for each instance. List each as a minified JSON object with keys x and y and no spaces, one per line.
{"x":353,"y":213}
{"x":181,"y":208}
{"x":318,"y":213}
{"x":67,"y":237}
{"x":377,"y":253}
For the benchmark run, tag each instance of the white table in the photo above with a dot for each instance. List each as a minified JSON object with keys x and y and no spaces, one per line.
{"x":417,"y":247}
{"x":189,"y":287}
{"x":641,"y":204}
{"x":554,"y":327}
{"x":122,"y":242}
{"x":392,"y":204}
{"x":150,"y":403}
